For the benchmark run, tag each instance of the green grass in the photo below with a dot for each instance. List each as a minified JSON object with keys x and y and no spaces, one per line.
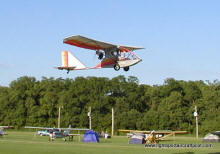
{"x":28,"y":142}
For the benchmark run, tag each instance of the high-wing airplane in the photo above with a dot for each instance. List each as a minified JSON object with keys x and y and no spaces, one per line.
{"x":2,"y":132}
{"x":110,"y":55}
{"x":153,"y":136}
{"x":57,"y":132}
{"x":162,"y":132}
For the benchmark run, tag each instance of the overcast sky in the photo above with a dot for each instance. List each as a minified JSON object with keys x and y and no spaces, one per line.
{"x":181,"y":37}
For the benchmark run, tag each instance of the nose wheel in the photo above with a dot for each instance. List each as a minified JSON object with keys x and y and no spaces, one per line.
{"x":126,"y":68}
{"x":116,"y":67}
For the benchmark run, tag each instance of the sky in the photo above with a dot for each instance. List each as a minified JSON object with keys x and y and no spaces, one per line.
{"x":181,"y":37}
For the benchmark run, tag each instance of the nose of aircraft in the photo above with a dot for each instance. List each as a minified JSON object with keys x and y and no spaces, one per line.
{"x":140,"y":60}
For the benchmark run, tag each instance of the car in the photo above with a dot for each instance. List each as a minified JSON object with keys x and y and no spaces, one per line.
{"x":47,"y":132}
{"x":43,"y":132}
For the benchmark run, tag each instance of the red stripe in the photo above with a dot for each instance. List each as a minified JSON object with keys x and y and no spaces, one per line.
{"x":124,"y":49}
{"x":105,"y":62}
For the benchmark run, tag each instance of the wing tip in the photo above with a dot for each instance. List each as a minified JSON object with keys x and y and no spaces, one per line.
{"x":71,"y":36}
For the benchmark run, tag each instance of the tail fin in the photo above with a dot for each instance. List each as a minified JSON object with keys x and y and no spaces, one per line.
{"x":70,"y":61}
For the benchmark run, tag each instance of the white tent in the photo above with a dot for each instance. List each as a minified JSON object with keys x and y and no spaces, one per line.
{"x":211,"y":138}
{"x":137,"y":139}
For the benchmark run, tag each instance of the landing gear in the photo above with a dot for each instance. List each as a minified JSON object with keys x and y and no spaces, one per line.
{"x":68,"y":71}
{"x":126,"y":68}
{"x":116,"y":67}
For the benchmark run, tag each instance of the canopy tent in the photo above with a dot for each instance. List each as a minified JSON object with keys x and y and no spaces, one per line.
{"x":211,"y":138}
{"x":90,"y":136}
{"x":137,"y":139}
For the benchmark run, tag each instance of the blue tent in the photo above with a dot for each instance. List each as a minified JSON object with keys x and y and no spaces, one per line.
{"x":90,"y":136}
{"x":136,"y":141}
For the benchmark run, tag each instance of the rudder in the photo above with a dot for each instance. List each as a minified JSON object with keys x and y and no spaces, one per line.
{"x":69,"y":60}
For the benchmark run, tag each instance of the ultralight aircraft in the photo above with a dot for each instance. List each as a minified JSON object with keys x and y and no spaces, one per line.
{"x":110,"y":55}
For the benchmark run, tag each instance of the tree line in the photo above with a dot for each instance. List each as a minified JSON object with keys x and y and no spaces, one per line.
{"x":170,"y":106}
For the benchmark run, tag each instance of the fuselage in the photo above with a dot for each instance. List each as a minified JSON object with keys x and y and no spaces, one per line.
{"x":114,"y":57}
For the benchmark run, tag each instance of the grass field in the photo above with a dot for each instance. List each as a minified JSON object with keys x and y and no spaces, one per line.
{"x":28,"y":142}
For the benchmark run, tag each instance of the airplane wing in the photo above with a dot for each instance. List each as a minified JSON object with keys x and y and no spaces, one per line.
{"x":87,"y":43}
{"x":129,"y":48}
{"x":133,"y":131}
{"x":79,"y":129}
{"x":6,"y":127}
{"x":155,"y":132}
{"x":37,"y":127}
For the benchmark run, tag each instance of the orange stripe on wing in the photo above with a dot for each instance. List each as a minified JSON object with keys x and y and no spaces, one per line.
{"x":124,"y":49}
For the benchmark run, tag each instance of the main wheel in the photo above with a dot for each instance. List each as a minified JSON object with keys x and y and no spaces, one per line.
{"x":126,"y":68}
{"x":116,"y":67}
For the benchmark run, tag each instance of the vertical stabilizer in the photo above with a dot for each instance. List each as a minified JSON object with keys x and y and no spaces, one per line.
{"x":70,"y":61}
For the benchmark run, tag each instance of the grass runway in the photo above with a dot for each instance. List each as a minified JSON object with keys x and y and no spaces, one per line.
{"x":18,"y":142}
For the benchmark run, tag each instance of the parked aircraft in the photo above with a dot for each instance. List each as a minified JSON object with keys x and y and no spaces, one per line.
{"x":57,"y":132}
{"x":2,"y":132}
{"x":153,"y":136}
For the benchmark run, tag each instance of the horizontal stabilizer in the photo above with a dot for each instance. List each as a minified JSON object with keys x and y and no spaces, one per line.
{"x":65,"y":68}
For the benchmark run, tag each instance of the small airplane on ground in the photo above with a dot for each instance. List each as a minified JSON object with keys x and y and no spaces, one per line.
{"x":57,"y":132}
{"x":111,"y":55}
{"x":153,"y":136}
{"x":2,"y":132}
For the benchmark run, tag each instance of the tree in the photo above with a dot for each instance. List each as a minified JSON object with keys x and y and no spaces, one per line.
{"x":137,"y":106}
